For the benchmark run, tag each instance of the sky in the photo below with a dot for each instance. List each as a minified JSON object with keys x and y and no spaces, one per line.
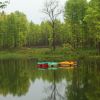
{"x":32,"y":9}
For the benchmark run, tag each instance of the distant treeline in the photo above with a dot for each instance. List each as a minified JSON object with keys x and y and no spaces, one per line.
{"x":80,"y":29}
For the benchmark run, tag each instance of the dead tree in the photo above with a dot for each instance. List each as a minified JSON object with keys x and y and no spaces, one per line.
{"x":51,"y":9}
{"x":4,"y":4}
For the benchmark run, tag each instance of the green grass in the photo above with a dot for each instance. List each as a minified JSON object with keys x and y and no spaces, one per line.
{"x":47,"y":54}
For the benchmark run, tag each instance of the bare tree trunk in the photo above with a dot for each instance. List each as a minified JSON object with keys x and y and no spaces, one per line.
{"x":51,"y":9}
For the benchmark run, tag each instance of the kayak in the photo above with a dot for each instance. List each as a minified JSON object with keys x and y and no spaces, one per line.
{"x":52,"y":64}
{"x":67,"y":63}
{"x":56,"y":65}
{"x":42,"y":65}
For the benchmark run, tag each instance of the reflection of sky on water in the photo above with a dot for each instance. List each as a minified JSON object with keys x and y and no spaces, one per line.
{"x":37,"y":91}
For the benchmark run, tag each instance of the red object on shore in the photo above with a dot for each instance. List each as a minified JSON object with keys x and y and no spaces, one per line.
{"x":42,"y":66}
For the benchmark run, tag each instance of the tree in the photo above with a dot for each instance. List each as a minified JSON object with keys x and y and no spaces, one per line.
{"x":3,"y":30}
{"x":45,"y":33}
{"x":3,"y":4}
{"x":13,"y":30}
{"x":34,"y":35}
{"x":51,"y":8}
{"x":74,"y":15}
{"x":92,"y":19}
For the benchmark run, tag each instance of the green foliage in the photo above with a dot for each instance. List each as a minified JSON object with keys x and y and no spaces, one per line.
{"x":67,"y":46}
{"x":13,"y":30}
{"x":92,"y":19}
{"x":74,"y":14}
{"x":80,"y":29}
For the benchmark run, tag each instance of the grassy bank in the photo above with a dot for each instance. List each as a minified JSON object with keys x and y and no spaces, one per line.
{"x":38,"y":53}
{"x":47,"y":54}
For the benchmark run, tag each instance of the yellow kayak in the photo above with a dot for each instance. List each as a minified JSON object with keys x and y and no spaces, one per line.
{"x":68,"y":63}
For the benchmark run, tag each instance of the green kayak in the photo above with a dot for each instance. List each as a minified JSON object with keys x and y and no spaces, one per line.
{"x":52,"y":64}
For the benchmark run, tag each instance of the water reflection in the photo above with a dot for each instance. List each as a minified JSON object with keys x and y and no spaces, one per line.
{"x":14,"y":77}
{"x":86,"y":81}
{"x":20,"y":80}
{"x":57,"y":83}
{"x":17,"y":76}
{"x":54,"y":91}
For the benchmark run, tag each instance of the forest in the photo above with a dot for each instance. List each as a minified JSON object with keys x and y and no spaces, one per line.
{"x":80,"y":29}
{"x":24,"y":45}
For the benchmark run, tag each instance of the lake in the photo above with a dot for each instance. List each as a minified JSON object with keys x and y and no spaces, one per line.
{"x":21,"y":80}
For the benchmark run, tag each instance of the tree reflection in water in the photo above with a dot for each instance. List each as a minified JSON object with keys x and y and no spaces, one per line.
{"x":56,"y":91}
{"x":82,"y":83}
{"x":86,"y":81}
{"x":14,"y":76}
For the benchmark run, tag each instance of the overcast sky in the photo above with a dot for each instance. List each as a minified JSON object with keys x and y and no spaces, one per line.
{"x":32,"y":8}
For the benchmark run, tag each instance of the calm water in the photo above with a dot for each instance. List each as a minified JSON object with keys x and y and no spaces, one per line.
{"x":20,"y":80}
